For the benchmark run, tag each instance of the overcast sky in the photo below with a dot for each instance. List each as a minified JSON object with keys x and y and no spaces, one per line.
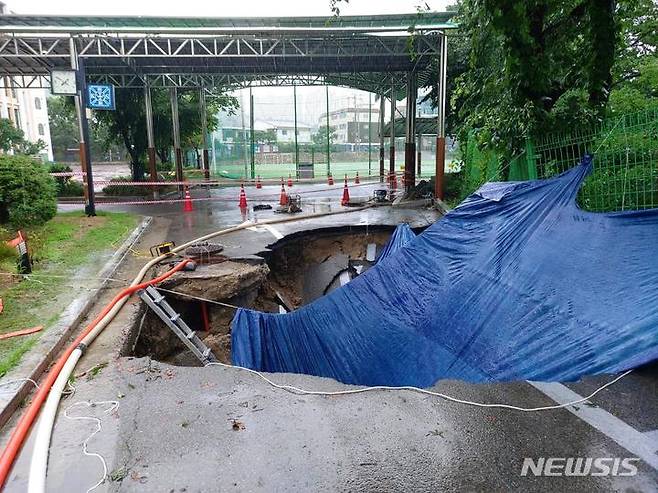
{"x":217,"y":8}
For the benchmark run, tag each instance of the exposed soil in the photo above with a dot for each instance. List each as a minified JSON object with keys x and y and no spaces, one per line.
{"x":277,"y":281}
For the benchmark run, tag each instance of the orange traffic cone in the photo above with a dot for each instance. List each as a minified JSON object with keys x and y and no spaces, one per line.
{"x":346,"y":194}
{"x":283,"y":200}
{"x":258,"y":183}
{"x":356,"y":180}
{"x":289,"y":181}
{"x":187,"y":205}
{"x":393,"y":181}
{"x":330,"y":179}
{"x":243,"y":198}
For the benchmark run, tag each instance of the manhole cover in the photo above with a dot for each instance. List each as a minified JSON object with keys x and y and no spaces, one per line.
{"x":204,"y":249}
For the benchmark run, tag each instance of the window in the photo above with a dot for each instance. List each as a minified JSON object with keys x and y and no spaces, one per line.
{"x":40,"y":129}
{"x":284,"y":132}
{"x":17,"y":118}
{"x":37,"y":103}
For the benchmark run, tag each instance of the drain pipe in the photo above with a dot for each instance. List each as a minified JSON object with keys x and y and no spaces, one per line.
{"x":39,"y":463}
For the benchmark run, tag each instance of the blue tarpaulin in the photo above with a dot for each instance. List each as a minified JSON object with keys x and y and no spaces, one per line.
{"x":515,"y":283}
{"x":400,"y":237}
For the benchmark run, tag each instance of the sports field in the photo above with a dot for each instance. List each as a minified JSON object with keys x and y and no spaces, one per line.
{"x":338,"y":169}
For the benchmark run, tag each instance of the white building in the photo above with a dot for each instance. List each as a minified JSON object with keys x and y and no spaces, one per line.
{"x":352,"y":124}
{"x":285,"y":130}
{"x":27,"y":109}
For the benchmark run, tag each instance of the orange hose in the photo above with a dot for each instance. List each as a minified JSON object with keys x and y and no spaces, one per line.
{"x":22,"y":332}
{"x":24,"y":424}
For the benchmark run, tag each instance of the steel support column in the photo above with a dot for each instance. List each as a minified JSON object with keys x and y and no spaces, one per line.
{"x":419,"y":155}
{"x":294,"y":102}
{"x":391,"y":162}
{"x":178,"y":153}
{"x":369,"y":133}
{"x":328,"y":135}
{"x":382,"y":150}
{"x":150,"y":138}
{"x":83,"y":127}
{"x":441,"y":125}
{"x":410,"y":144}
{"x":205,"y":164}
{"x":252,"y":136}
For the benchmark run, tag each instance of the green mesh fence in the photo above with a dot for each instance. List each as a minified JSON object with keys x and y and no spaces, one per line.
{"x":625,"y":167}
{"x":480,"y":165}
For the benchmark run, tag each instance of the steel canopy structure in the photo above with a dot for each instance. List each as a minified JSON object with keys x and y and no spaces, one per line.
{"x":383,"y":54}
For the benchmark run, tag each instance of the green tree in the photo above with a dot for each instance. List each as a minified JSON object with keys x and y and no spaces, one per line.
{"x":13,"y":139}
{"x":27,"y":192}
{"x":533,"y":66}
{"x":127,"y":124}
{"x":635,"y":73}
{"x":10,"y":136}
{"x":65,"y":133}
{"x":320,"y":137}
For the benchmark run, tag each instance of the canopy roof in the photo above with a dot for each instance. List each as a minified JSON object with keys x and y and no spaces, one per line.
{"x":364,"y":52}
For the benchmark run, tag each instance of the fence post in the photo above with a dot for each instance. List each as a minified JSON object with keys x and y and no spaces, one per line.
{"x":530,"y":159}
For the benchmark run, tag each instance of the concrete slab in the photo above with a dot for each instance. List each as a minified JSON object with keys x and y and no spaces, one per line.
{"x":218,"y":429}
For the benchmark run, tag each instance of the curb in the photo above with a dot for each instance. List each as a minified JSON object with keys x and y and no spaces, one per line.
{"x":63,"y":329}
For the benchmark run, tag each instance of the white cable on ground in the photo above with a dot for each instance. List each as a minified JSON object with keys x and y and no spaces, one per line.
{"x":39,"y":463}
{"x":113,"y":406}
{"x":296,"y":390}
{"x":18,"y":380}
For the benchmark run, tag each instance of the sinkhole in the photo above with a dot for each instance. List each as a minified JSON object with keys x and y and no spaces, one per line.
{"x":291,"y":273}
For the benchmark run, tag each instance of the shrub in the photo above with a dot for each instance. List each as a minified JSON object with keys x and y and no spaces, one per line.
{"x":121,"y":190}
{"x":27,"y":192}
{"x":125,"y":190}
{"x":66,"y":186}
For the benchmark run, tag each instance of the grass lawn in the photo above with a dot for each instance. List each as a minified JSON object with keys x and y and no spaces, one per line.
{"x":67,"y":243}
{"x":338,"y":169}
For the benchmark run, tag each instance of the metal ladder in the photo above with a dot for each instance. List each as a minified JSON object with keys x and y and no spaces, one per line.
{"x":162,"y":309}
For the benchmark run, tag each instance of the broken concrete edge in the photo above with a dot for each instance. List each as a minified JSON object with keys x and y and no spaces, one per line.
{"x":56,"y":337}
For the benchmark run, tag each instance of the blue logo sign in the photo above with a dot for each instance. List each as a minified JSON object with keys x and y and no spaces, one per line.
{"x":100,"y":96}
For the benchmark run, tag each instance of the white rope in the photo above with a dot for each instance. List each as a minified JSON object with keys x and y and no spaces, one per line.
{"x":185,"y":295}
{"x":296,"y":390}
{"x":4,"y":383}
{"x":114,"y":405}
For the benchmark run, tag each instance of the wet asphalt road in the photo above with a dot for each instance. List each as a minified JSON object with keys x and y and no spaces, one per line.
{"x":174,"y":428}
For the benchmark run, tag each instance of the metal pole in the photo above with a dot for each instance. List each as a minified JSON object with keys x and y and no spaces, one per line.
{"x":391,"y":165}
{"x":294,"y":101}
{"x":382,"y":152}
{"x":328,"y":136}
{"x":369,"y":134}
{"x":80,"y":98}
{"x":419,"y":147}
{"x":178,"y":153}
{"x":252,"y":135}
{"x":440,"y":135}
{"x":204,"y":133}
{"x":410,"y":144}
{"x":150,"y":137}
